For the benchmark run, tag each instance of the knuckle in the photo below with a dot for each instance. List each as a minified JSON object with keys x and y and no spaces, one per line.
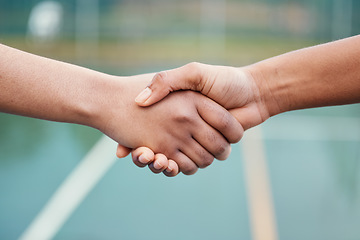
{"x":188,"y":170}
{"x":160,"y":77}
{"x":235,"y":132}
{"x":206,"y":161}
{"x":205,"y":158}
{"x":221,"y":148}
{"x":193,"y":66}
{"x":231,"y":127}
{"x":184,"y":117}
{"x":194,"y":70}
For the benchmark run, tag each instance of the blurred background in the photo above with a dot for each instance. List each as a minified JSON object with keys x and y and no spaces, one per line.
{"x":295,"y":177}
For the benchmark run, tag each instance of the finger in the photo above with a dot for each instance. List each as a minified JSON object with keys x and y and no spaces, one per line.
{"x":122,"y":151}
{"x":186,"y":165}
{"x":201,"y":157}
{"x":172,"y":170}
{"x":248,"y":117}
{"x":212,"y":140}
{"x":220,"y":119}
{"x":159,"y":164}
{"x":142,"y":156}
{"x":186,"y":77}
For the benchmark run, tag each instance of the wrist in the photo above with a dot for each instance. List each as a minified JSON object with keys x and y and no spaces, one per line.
{"x":273,"y":96}
{"x":92,"y":104}
{"x":107,"y":99}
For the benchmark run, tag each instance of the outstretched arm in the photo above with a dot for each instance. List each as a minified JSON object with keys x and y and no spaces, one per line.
{"x":323,"y":75}
{"x":39,"y":87}
{"x":43,"y":88}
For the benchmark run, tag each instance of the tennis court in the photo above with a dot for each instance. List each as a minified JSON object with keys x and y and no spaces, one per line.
{"x":295,"y":177}
{"x":312,"y":164}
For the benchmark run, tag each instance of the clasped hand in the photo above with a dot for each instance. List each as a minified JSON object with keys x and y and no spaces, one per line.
{"x":191,"y":129}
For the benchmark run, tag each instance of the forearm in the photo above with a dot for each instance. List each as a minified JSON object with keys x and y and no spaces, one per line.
{"x":43,"y":88}
{"x":323,"y":75}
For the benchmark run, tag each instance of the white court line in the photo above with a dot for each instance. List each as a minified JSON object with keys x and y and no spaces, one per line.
{"x":100,"y":159}
{"x":261,"y":208}
{"x":72,"y":191}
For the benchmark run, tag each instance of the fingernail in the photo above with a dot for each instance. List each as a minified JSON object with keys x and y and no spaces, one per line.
{"x":144,"y":95}
{"x":169,"y":169}
{"x":157,"y":165}
{"x":143,"y":159}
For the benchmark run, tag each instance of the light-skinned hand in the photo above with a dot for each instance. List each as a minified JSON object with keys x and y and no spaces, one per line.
{"x":231,"y":87}
{"x":186,"y":127}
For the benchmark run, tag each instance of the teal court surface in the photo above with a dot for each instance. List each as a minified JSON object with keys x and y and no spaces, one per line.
{"x":295,"y":177}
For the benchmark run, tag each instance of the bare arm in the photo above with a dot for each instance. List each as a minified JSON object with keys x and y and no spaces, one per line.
{"x":32,"y":85}
{"x":43,"y":88}
{"x":323,"y":75}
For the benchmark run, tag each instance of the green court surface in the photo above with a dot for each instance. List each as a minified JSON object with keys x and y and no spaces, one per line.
{"x":296,"y":177}
{"x":312,"y":164}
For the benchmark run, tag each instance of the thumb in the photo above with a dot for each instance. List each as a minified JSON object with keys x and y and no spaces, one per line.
{"x":122,"y":151}
{"x":187,"y":77}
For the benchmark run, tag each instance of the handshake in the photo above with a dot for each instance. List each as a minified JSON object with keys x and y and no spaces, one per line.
{"x":187,"y":116}
{"x":175,"y":131}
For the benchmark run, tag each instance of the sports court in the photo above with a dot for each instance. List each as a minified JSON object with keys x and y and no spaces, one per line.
{"x":311,"y":162}
{"x":297,"y":176}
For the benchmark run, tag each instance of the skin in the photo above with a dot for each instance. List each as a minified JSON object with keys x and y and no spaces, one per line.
{"x":185,"y":126}
{"x":323,"y":75}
